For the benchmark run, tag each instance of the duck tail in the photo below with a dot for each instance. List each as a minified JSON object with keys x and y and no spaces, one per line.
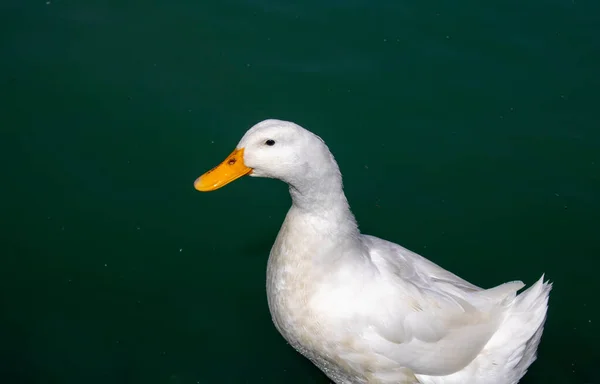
{"x":519,"y":336}
{"x":531,"y":309}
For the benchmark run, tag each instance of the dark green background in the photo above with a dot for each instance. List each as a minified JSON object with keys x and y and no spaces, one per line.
{"x":469,"y":133}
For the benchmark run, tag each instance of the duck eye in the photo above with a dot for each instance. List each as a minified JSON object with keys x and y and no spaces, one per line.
{"x":270,"y":142}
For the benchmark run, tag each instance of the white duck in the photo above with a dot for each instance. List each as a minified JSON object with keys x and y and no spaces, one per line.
{"x":365,"y":310}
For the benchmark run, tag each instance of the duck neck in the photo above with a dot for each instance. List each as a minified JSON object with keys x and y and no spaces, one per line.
{"x":321,"y":199}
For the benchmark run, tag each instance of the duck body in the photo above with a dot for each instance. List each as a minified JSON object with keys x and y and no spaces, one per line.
{"x":365,"y":310}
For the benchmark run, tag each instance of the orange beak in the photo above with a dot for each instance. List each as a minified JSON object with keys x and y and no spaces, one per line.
{"x":230,"y":169}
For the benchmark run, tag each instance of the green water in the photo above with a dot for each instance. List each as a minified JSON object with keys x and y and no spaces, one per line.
{"x":466,"y":131}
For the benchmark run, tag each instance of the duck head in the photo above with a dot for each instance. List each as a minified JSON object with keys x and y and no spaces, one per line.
{"x":275,"y":149}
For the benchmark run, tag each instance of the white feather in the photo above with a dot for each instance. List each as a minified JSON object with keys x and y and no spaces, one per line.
{"x":365,"y":310}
